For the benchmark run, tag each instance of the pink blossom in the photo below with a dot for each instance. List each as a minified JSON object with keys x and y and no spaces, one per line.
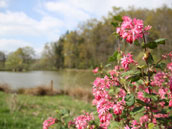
{"x":132,"y":29}
{"x":48,"y":123}
{"x":159,"y":79}
{"x":170,"y":54}
{"x":135,"y":125}
{"x":159,"y":115}
{"x":82,"y":121}
{"x":105,"y":120}
{"x":103,"y":105}
{"x":95,"y":70}
{"x":70,"y":123}
{"x":162,"y":104}
{"x":170,"y":83}
{"x":144,"y":119}
{"x":94,"y":102}
{"x":164,"y":57}
{"x":126,"y":60}
{"x":122,"y":93}
{"x":170,"y":103}
{"x":118,"y":29}
{"x":147,"y":28}
{"x":169,"y":66}
{"x":141,"y":97}
{"x":154,"y":121}
{"x":117,"y":109}
{"x":162,"y":93}
{"x":126,"y":127}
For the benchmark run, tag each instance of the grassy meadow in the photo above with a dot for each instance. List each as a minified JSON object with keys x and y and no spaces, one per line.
{"x":19,"y":111}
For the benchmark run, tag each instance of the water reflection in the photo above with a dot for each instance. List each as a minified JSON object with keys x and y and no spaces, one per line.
{"x":61,"y":79}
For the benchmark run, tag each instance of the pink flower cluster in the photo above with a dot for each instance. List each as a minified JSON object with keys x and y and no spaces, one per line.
{"x":48,"y":123}
{"x":132,"y":29}
{"x":159,"y":79}
{"x":170,"y":54}
{"x":104,"y":102}
{"x":144,"y":119}
{"x":165,"y":56}
{"x":170,"y":83}
{"x":169,"y":66}
{"x":95,"y":70}
{"x":126,"y":60}
{"x":140,"y":95}
{"x":82,"y":121}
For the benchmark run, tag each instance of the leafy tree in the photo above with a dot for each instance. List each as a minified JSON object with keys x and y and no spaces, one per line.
{"x":2,"y":60}
{"x":20,"y":60}
{"x":93,"y":42}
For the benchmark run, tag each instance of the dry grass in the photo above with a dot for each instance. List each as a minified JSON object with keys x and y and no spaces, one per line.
{"x":13,"y":103}
{"x":5,"y":88}
{"x":79,"y":93}
{"x":38,"y":91}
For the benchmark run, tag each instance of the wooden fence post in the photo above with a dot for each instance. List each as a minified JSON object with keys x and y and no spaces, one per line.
{"x":51,"y":85}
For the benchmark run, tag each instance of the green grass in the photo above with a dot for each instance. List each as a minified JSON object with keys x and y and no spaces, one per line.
{"x":29,"y":112}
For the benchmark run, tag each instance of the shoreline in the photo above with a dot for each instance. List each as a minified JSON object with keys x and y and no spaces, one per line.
{"x":44,"y":90}
{"x":55,"y":70}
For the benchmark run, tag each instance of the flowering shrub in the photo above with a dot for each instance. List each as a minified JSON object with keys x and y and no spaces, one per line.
{"x":48,"y":122}
{"x":82,"y":121}
{"x":131,"y":97}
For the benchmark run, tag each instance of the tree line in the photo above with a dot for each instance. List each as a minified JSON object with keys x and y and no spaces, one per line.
{"x":91,"y":43}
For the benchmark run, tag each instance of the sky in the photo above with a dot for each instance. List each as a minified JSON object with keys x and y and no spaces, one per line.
{"x":36,"y":22}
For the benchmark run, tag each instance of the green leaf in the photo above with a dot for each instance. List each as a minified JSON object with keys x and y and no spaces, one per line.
{"x":117,"y":89}
{"x":139,"y":82}
{"x":154,"y":44}
{"x":130,"y":72}
{"x":111,"y":92}
{"x":134,"y":78}
{"x":152,"y":96}
{"x":107,"y":65}
{"x":141,"y":66}
{"x":64,"y":111}
{"x":114,"y":125}
{"x":151,"y":45}
{"x":162,"y":112}
{"x":137,"y":109}
{"x":114,"y":56}
{"x":115,"y":24}
{"x":136,"y":42}
{"x":141,"y":102}
{"x":130,"y":99}
{"x":161,"y":66}
{"x":119,"y":56}
{"x":150,"y":125}
{"x":160,"y":41}
{"x":118,"y":18}
{"x":150,"y":59}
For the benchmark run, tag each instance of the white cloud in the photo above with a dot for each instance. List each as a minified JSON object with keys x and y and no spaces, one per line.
{"x":140,"y":3}
{"x":11,"y":44}
{"x":3,"y":4}
{"x":56,"y":17}
{"x":69,"y":13}
{"x":86,"y":8}
{"x":94,"y":7}
{"x":67,"y":10}
{"x":18,"y":23}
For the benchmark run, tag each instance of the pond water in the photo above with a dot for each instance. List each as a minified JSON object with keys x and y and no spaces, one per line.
{"x":61,"y":79}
